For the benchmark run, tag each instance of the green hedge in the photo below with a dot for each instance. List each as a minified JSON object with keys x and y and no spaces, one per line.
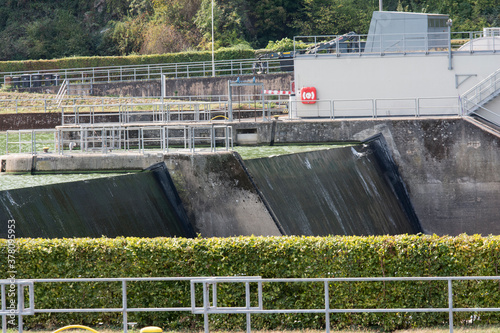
{"x":269,"y":257}
{"x":83,"y":62}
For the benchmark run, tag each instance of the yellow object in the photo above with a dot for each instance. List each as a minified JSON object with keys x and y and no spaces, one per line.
{"x":219,"y":117}
{"x":75,"y":326}
{"x":151,"y":329}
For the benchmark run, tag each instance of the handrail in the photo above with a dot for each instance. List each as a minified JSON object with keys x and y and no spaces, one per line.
{"x":480,"y":93}
{"x":62,"y":92}
{"x":108,"y":74}
{"x":392,"y":43}
{"x":115,"y":138}
{"x":209,"y":297}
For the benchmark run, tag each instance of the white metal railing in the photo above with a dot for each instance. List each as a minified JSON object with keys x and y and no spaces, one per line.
{"x":375,"y":108}
{"x":50,"y":104}
{"x":107,"y":138}
{"x":153,"y":112}
{"x":394,"y":43}
{"x":63,"y":90}
{"x":481,"y":93}
{"x":261,"y":305}
{"x":109,"y":74}
{"x":30,"y":141}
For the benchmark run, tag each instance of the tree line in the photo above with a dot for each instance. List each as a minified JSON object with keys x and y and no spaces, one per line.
{"x":36,"y":29}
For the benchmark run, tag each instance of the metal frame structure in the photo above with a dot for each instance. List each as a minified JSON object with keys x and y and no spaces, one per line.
{"x":209,"y":298}
{"x":154,"y":112}
{"x":232,"y":84}
{"x":109,"y":138}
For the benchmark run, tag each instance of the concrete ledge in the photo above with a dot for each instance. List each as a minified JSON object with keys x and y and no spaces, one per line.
{"x":47,"y":163}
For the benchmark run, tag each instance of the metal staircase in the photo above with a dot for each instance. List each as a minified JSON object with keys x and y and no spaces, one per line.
{"x":476,"y":98}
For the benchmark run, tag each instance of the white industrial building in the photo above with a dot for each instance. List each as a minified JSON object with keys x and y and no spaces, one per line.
{"x":406,"y":65}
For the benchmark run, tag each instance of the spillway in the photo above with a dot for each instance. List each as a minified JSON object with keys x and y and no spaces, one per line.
{"x":344,"y":191}
{"x":144,"y":204}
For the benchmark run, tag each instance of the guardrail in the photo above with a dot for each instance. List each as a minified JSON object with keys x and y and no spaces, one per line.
{"x":30,"y":141}
{"x":155,"y":112}
{"x":26,"y":79}
{"x":481,"y":93}
{"x":376,"y":108}
{"x":261,"y":305}
{"x":394,"y":43}
{"x":109,"y":138}
{"x":52,"y":105}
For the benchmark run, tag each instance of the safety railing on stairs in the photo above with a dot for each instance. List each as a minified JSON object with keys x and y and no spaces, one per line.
{"x":63,"y":90}
{"x":475,"y":98}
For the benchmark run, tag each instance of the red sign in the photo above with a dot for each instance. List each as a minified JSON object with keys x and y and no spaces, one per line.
{"x":308,"y":95}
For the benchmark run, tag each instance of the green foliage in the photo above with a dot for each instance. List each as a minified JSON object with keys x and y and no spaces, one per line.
{"x":52,"y":29}
{"x":269,"y":257}
{"x":285,"y":44}
{"x":83,"y":62}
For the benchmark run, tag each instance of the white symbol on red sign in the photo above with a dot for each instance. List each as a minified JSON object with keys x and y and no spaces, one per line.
{"x":308,"y":95}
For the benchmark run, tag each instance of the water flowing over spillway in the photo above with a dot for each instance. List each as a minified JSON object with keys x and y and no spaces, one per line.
{"x":343,"y":191}
{"x":144,"y":205}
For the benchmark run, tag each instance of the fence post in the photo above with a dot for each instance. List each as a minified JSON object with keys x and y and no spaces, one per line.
{"x":450,"y":304}
{"x":124,"y":304}
{"x":205,"y":306}
{"x":247,"y":297}
{"x":327,"y":307}
{"x":4,"y":306}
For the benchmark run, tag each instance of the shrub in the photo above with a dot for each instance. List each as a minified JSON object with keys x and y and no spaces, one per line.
{"x":268,"y":257}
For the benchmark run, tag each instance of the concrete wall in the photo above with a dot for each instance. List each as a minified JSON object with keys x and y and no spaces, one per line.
{"x":29,"y":121}
{"x":219,"y":197}
{"x":186,"y":86}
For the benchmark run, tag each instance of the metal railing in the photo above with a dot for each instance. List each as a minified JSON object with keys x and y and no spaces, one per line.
{"x":210,"y":305}
{"x":481,"y":93}
{"x":155,"y":112}
{"x":394,"y":43}
{"x":376,"y":108}
{"x":53,"y":105}
{"x":108,"y":138}
{"x":89,"y":75}
{"x":30,"y":141}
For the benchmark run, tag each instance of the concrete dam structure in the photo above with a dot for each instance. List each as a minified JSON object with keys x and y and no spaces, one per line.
{"x":449,"y":167}
{"x":344,"y":191}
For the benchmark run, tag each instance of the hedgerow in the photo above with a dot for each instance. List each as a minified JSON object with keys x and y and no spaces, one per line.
{"x":268,"y":257}
{"x":132,"y":60}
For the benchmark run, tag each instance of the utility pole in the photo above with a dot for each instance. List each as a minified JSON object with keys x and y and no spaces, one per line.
{"x":213,"y":55}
